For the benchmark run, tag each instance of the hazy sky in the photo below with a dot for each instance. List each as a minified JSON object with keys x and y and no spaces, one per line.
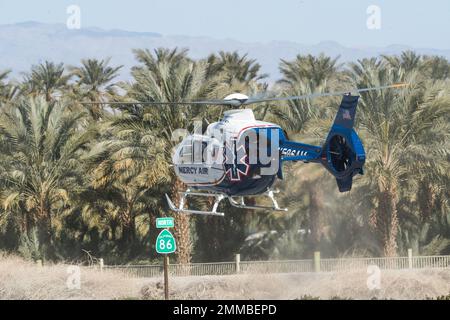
{"x":412,"y":22}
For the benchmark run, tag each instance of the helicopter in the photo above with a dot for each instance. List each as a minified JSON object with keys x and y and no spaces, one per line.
{"x":239,"y":156}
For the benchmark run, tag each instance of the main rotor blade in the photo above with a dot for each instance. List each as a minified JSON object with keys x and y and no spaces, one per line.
{"x":237,"y":103}
{"x":204,"y":102}
{"x":324,"y":94}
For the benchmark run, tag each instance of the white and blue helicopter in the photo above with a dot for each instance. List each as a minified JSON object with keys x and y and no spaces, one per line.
{"x":240,"y":156}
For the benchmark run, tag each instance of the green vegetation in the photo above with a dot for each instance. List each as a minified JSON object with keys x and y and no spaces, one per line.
{"x":79,"y":178}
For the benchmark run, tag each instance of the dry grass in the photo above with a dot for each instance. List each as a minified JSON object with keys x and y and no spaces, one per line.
{"x":416,"y":284}
{"x":24,"y":280}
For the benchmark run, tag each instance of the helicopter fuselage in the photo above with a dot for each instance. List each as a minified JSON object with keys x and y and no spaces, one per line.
{"x":239,"y":156}
{"x":220,"y":160}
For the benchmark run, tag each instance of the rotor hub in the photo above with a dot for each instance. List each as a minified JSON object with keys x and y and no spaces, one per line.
{"x":241,"y":98}
{"x":341,"y":154}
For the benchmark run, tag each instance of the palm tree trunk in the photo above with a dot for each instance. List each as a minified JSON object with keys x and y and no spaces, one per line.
{"x":129,"y":233}
{"x":388,"y":221}
{"x":425,"y":199}
{"x":129,"y":228}
{"x":182,"y":228}
{"x":44,"y":224}
{"x":315,"y":214}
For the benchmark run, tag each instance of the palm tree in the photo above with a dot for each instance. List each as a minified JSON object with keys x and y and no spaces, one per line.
{"x":42,"y":163}
{"x":94,"y":79}
{"x":308,"y":121}
{"x":3,"y":85}
{"x":436,"y":67}
{"x":383,"y":170}
{"x":227,"y":72}
{"x":128,"y":171}
{"x":393,"y":125}
{"x":47,"y":79}
{"x":309,"y":69}
{"x":169,"y":76}
{"x":232,"y":66}
{"x":306,"y":75}
{"x":8,"y":91}
{"x":408,"y":60}
{"x":426,"y":210}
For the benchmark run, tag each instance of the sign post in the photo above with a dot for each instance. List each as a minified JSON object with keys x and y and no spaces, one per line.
{"x":166,"y":277}
{"x":165,"y":244}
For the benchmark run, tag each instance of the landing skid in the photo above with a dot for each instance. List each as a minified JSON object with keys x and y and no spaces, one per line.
{"x":270,"y":194}
{"x":181,"y":209}
{"x":218,"y":198}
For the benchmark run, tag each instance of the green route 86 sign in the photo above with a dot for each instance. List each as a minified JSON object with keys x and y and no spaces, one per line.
{"x":165,"y":243}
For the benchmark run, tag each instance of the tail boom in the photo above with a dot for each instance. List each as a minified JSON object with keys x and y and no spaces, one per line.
{"x":342,"y":154}
{"x":297,"y":151}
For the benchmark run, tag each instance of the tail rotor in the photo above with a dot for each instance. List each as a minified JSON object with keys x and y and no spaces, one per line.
{"x":343,"y":153}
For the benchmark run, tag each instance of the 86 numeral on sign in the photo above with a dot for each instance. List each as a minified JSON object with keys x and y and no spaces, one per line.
{"x":165,"y":244}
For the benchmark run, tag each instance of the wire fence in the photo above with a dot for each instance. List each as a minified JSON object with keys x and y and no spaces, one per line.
{"x":284,"y":266}
{"x":280,"y":266}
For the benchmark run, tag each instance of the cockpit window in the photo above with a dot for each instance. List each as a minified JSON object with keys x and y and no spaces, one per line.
{"x":186,"y":153}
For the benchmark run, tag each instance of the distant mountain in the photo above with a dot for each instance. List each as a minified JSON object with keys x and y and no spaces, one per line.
{"x":27,"y":43}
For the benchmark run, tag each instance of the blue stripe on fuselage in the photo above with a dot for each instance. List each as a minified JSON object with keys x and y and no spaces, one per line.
{"x":296,"y":151}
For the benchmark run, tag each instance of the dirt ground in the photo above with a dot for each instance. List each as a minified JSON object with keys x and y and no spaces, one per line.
{"x":24,"y":280}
